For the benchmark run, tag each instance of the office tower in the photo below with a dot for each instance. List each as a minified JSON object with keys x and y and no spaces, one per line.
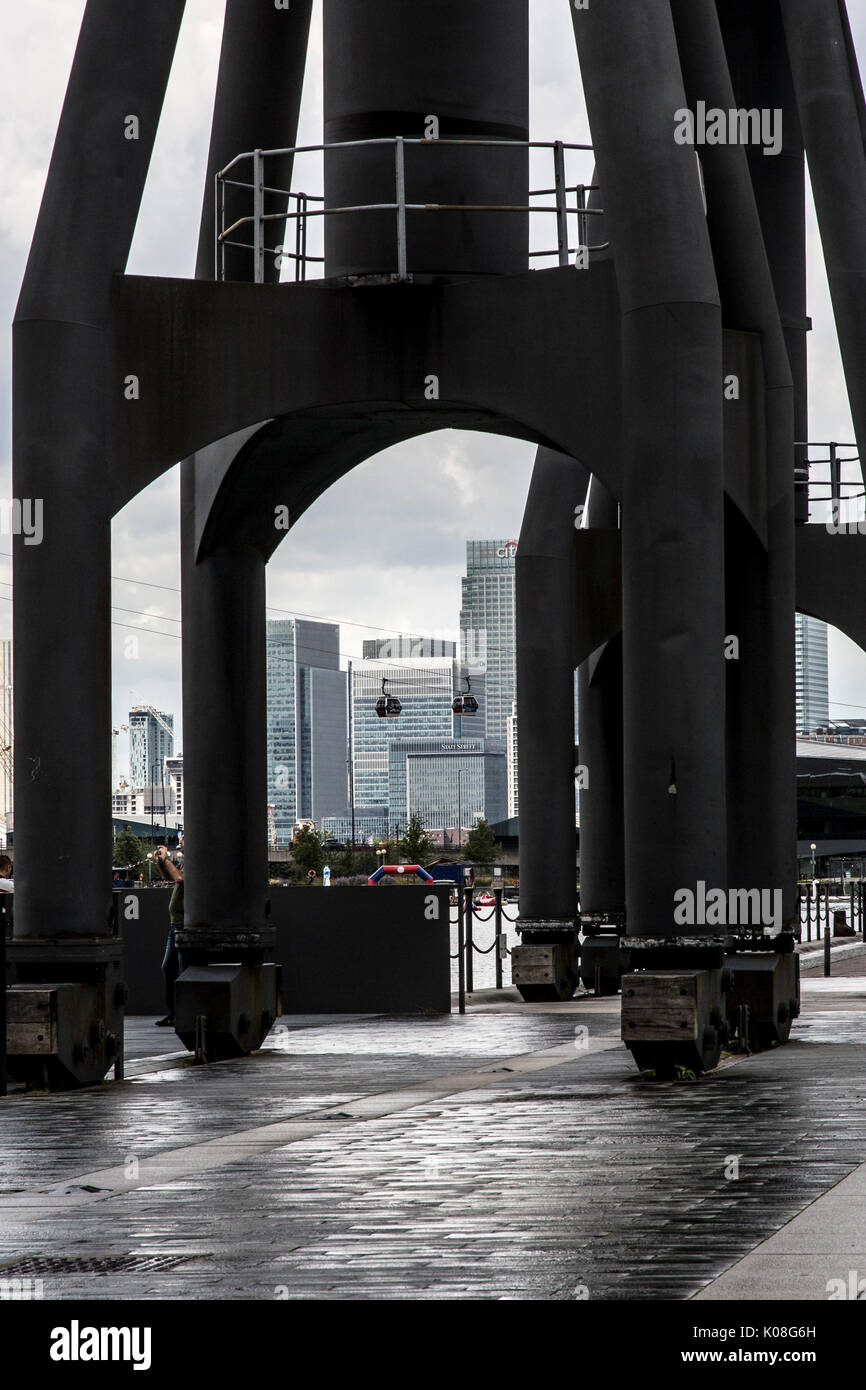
{"x":370,"y":825}
{"x":487,"y":625}
{"x":306,"y":728}
{"x":813,"y":700}
{"x":6,"y":738}
{"x":151,"y":741}
{"x":384,"y":648}
{"x":425,"y":687}
{"x":449,"y":783}
{"x":512,"y":764}
{"x":174,"y":773}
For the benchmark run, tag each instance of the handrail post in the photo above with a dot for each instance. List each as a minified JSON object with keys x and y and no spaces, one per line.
{"x":218,"y":222}
{"x":561,"y":201}
{"x":470,"y":943}
{"x":461,"y":957}
{"x":400,"y":174}
{"x":305,"y":225}
{"x":582,"y":223}
{"x":835,"y":484}
{"x":258,"y":215}
{"x":497,"y":923}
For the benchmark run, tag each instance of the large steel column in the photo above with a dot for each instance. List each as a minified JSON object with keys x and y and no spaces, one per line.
{"x":453,"y":71}
{"x":602,"y":828}
{"x":225,"y":771}
{"x":225,"y":1008}
{"x":258,"y":100}
{"x":62,"y":963}
{"x":760,"y":75}
{"x":225,"y":793}
{"x":61,"y":631}
{"x":760,"y":578}
{"x":544,"y":602}
{"x":830,"y":99}
{"x":673,"y":585}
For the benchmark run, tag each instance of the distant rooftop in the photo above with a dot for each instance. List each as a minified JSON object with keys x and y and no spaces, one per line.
{"x":833,"y":746}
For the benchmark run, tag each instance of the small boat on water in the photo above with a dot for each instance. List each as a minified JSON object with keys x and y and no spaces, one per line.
{"x":485,"y":900}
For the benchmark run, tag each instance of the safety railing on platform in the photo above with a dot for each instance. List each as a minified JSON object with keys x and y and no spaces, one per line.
{"x":249,"y":232}
{"x":821,"y":908}
{"x":830,"y":496}
{"x":467,"y":911}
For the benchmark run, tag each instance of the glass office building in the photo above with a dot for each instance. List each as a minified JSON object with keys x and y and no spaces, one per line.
{"x":487,"y":639}
{"x":813,"y":693}
{"x":512,"y":762}
{"x":306,"y":723}
{"x":425,"y":688}
{"x":150,"y":743}
{"x":449,"y":783}
{"x":370,"y":825}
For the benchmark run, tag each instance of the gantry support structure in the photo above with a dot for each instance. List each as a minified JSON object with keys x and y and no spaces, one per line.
{"x":613,"y":362}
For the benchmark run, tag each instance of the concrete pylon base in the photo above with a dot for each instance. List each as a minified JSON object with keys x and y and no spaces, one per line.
{"x":544,"y":966}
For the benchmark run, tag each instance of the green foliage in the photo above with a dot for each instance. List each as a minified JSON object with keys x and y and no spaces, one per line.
{"x":416,"y":845}
{"x":279,"y":868}
{"x":362,"y":860}
{"x":129,"y":852}
{"x":482,"y":846}
{"x":307,"y":850}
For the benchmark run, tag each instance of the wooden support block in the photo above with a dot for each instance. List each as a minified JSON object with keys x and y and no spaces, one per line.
{"x":663,"y":1006}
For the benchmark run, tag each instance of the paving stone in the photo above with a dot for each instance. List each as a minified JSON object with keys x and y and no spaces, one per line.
{"x":528,"y":1187}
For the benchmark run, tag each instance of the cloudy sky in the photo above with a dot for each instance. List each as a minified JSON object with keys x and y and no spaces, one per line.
{"x":345,"y":560}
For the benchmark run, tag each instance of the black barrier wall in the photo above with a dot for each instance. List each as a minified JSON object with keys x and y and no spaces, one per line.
{"x":143,"y":919}
{"x":342,"y":950}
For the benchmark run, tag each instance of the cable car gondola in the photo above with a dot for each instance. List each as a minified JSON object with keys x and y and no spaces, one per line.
{"x":388,"y":706}
{"x":465,"y":703}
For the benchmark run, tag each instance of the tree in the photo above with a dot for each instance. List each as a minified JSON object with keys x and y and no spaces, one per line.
{"x":482,"y":846}
{"x":416,"y":845}
{"x":308,"y":852}
{"x":129,"y":851}
{"x":360,"y":860}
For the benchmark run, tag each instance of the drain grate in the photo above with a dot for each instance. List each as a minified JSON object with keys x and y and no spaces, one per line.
{"x":92,"y":1264}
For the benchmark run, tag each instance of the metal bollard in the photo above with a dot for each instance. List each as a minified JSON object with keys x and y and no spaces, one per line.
{"x":827,"y":939}
{"x":468,"y":916}
{"x":461,"y":957}
{"x":497,"y":927}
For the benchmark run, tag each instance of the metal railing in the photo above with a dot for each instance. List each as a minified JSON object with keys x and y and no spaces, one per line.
{"x":832,"y":489}
{"x":467,"y":948}
{"x":817,"y":908}
{"x":300,"y":207}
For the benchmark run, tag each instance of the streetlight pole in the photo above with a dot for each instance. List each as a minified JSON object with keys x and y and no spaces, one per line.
{"x":351,"y":760}
{"x":812,"y":848}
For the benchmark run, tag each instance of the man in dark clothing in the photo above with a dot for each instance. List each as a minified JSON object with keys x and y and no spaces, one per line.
{"x":171,"y":960}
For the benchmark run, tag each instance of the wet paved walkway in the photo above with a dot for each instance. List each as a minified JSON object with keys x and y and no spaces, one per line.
{"x":514,"y":1153}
